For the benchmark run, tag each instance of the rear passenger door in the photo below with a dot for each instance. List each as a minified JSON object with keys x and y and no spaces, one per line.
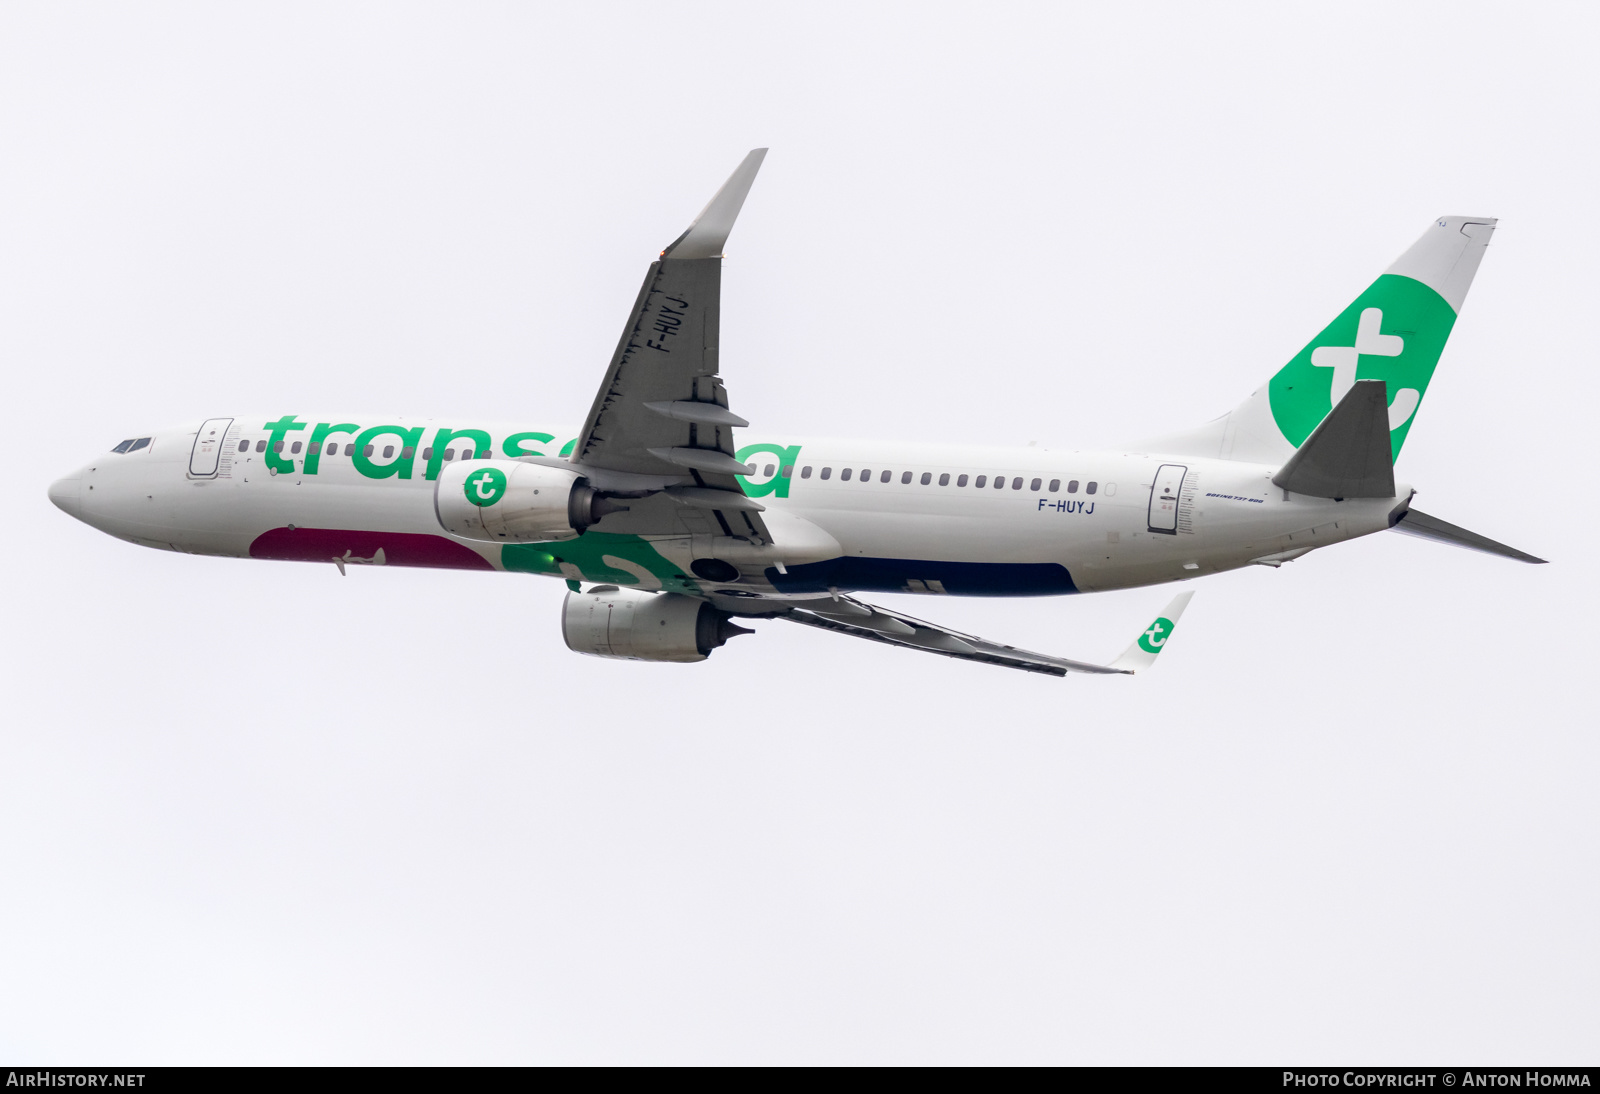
{"x":1164,"y":494}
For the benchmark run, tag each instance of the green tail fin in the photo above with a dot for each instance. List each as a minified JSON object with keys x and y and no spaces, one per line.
{"x":1395,"y":332}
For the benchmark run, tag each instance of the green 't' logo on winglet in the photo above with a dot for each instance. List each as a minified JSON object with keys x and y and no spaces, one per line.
{"x":1153,"y":639}
{"x":488,"y":486}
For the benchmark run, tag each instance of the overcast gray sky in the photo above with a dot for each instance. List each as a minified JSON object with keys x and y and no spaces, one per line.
{"x":252,"y":812}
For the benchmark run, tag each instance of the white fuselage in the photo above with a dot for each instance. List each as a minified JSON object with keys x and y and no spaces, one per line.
{"x":1063,"y":521}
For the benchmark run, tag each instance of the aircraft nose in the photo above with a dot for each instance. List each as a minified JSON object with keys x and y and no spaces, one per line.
{"x":64,"y":492}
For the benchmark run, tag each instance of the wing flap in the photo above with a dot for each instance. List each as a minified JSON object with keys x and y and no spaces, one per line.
{"x":949,"y":644}
{"x":847,"y":615}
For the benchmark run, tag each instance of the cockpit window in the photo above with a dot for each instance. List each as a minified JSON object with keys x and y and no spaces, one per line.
{"x":132,"y":444}
{"x":124,"y":446}
{"x":142,"y":442}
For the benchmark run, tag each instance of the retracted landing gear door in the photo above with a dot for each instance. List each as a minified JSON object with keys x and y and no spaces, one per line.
{"x":1164,"y":494}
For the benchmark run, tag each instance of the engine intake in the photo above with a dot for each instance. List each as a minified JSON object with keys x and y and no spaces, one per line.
{"x":608,"y":621}
{"x":506,"y":501}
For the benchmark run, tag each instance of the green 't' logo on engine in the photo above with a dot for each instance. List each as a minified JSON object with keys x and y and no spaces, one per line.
{"x":1153,"y":639}
{"x":486,"y":487}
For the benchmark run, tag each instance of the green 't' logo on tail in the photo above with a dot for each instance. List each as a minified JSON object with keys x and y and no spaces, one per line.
{"x":486,"y":487}
{"x":1153,"y":639}
{"x":1394,"y":332}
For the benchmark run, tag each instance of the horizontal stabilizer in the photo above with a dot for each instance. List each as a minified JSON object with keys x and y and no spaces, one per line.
{"x":1348,"y":455}
{"x":1415,"y":523}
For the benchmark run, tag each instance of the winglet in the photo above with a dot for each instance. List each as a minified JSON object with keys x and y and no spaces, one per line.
{"x":710,"y":229}
{"x":1142,"y":654}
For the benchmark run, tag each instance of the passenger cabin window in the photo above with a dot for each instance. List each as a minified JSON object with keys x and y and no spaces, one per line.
{"x":999,"y":482}
{"x":944,"y":480}
{"x":788,"y":470}
{"x":331,"y":450}
{"x":244,"y":446}
{"x":407,"y":452}
{"x":927,"y":477}
{"x":427,"y":453}
{"x":826,"y":471}
{"x":961,"y":480}
{"x":1055,"y":486}
{"x":367,"y":451}
{"x":905,"y":477}
{"x":449,"y":453}
{"x":261,"y":446}
{"x":844,"y":476}
{"x":1072,"y":487}
{"x":1034,"y":485}
{"x":314,"y":447}
{"x":294,"y":449}
{"x":388,"y":451}
{"x":277,"y":446}
{"x":1089,"y":488}
{"x":886,"y":476}
{"x":768,"y":470}
{"x":866,"y":474}
{"x":981,"y":481}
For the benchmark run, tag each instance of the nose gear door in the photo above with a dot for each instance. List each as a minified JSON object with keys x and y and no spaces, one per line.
{"x":1164,"y":494}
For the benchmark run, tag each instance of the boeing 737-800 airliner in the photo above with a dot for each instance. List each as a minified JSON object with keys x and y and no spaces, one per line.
{"x":667,"y":530}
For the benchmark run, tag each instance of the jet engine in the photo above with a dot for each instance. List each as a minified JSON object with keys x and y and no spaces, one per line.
{"x":608,"y":621}
{"x":506,"y":501}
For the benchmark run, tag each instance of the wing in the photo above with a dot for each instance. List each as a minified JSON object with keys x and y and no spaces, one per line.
{"x":846,"y":615}
{"x":662,"y":411}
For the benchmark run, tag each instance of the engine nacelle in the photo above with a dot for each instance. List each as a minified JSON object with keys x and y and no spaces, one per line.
{"x":506,"y":501}
{"x":608,"y":621}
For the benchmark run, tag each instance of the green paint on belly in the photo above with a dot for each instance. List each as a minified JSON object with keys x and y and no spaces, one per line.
{"x":600,"y":557}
